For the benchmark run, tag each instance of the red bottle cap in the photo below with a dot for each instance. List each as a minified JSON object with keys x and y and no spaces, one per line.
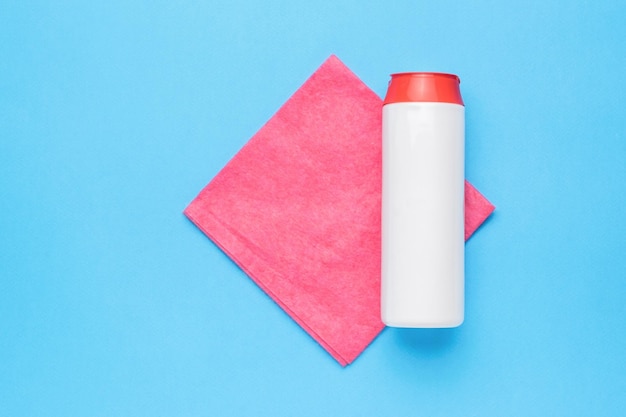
{"x":423,"y":86}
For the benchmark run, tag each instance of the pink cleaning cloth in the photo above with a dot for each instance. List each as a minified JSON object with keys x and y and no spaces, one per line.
{"x":298,"y":209}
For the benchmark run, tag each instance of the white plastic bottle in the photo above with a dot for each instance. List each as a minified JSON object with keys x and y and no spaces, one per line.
{"x":423,"y":201}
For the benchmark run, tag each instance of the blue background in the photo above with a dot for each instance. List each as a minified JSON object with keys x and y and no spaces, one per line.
{"x":113,"y":116}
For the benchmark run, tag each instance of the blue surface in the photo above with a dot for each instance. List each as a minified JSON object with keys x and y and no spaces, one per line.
{"x":113,"y":115}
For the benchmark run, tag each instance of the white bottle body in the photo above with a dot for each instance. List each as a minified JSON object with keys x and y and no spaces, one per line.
{"x":423,"y":219}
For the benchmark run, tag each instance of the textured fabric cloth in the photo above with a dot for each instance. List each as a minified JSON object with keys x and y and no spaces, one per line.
{"x":298,"y":209}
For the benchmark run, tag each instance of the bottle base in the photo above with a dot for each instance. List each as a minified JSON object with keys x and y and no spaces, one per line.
{"x":417,"y":324}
